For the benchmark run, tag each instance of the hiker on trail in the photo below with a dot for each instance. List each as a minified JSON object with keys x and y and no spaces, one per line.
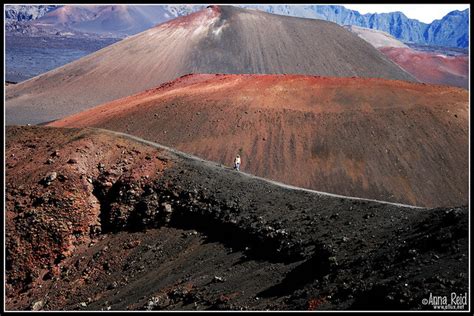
{"x":237,"y":163}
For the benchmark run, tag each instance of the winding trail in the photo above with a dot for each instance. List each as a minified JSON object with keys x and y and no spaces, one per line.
{"x":214,"y":164}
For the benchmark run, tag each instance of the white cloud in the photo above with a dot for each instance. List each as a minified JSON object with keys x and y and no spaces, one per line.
{"x":422,"y":12}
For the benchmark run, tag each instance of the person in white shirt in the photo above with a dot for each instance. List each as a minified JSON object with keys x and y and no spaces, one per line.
{"x":237,"y":163}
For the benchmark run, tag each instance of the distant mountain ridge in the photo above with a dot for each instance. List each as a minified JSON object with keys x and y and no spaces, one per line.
{"x":451,"y":31}
{"x":394,"y":23}
{"x":27,"y":12}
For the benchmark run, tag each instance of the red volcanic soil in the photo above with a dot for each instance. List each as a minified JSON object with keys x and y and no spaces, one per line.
{"x":215,"y":40}
{"x":372,"y":138}
{"x":51,"y":208}
{"x":129,"y":225}
{"x":431,"y":67}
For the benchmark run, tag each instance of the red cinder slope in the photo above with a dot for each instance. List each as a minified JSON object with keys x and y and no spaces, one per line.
{"x":373,"y":138}
{"x":431,"y":67}
{"x":426,"y":66}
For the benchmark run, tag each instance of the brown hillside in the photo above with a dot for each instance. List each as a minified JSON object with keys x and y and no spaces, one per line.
{"x":373,"y":138}
{"x":215,"y":40}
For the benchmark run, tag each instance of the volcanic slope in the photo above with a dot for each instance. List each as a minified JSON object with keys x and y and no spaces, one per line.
{"x":375,"y":37}
{"x":427,"y":67}
{"x":380,"y":139}
{"x":431,"y":67}
{"x":100,"y":221}
{"x":214,"y":40}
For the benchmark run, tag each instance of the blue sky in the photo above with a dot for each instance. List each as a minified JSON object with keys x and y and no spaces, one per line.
{"x":422,"y":12}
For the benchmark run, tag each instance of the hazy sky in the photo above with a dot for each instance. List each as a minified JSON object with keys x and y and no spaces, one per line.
{"x":422,"y":12}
